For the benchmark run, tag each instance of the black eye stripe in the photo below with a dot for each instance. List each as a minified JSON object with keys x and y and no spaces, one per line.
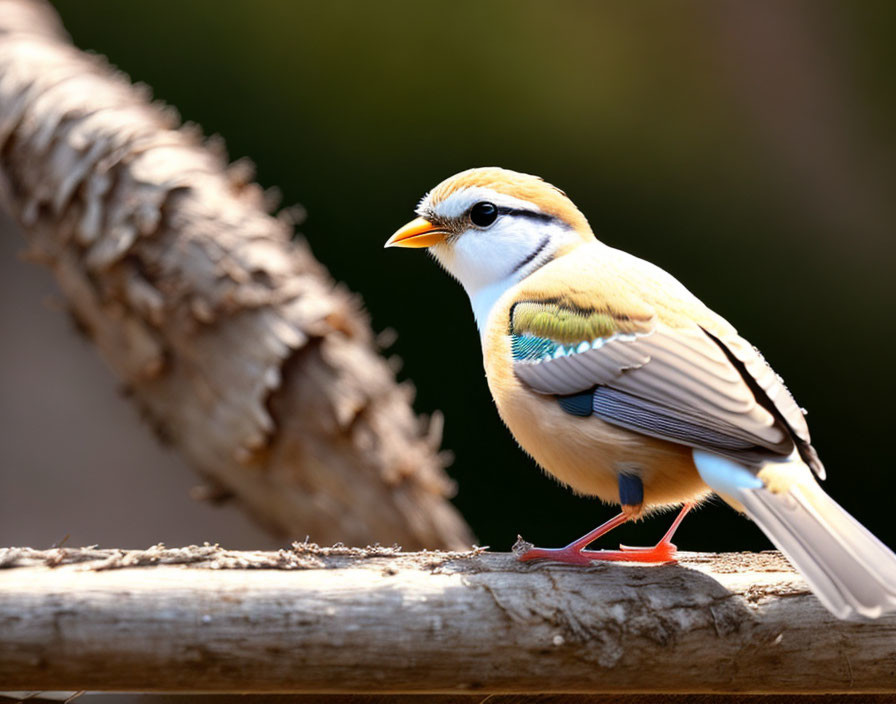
{"x":529,"y":214}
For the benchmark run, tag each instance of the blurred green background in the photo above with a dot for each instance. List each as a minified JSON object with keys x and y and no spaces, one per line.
{"x":746,"y":147}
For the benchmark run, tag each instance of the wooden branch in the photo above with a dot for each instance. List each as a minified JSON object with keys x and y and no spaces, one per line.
{"x":233,"y":340}
{"x":376,"y":620}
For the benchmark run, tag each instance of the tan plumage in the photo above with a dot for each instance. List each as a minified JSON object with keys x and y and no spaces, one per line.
{"x":623,"y":385}
{"x":583,"y":455}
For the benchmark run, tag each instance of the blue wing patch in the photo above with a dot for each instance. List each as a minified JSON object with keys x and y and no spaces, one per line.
{"x":530,"y":347}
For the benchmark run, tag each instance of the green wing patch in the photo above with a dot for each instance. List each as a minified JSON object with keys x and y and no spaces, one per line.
{"x":568,"y":325}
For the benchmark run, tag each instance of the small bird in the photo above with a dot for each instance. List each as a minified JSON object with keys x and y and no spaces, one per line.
{"x":623,"y":385}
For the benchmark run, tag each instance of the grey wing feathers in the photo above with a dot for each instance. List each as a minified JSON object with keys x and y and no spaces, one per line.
{"x":627,"y":411}
{"x":682,"y":385}
{"x":765,"y":383}
{"x":577,"y":372}
{"x":773,"y":386}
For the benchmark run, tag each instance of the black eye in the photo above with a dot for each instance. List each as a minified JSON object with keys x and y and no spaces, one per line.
{"x":483,"y":214}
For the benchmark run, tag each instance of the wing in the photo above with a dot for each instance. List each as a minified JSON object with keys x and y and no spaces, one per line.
{"x":677,"y":382}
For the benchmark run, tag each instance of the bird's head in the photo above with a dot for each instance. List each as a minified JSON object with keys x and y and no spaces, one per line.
{"x":491,"y":225}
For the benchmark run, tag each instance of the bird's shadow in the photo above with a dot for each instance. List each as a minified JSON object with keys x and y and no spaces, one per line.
{"x":610,"y":604}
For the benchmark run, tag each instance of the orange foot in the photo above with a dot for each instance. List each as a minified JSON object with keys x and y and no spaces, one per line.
{"x":576,"y":554}
{"x":571,"y":555}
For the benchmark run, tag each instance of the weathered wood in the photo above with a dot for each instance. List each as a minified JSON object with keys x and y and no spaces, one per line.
{"x":377,"y":620}
{"x":235,"y":341}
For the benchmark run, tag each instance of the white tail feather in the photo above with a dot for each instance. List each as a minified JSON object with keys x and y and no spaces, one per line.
{"x":850,"y":571}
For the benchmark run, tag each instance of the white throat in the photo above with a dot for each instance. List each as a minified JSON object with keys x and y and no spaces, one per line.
{"x":483,"y":300}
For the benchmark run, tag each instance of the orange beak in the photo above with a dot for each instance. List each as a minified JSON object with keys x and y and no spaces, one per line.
{"x":417,"y":233}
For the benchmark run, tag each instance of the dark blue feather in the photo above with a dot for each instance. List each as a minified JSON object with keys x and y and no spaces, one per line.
{"x":578,"y":404}
{"x":631,"y":490}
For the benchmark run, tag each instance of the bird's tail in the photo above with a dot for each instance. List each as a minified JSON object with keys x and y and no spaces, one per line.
{"x":850,"y":571}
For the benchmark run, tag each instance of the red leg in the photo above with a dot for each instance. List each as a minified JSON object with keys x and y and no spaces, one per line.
{"x":575,"y":553}
{"x":663,"y":551}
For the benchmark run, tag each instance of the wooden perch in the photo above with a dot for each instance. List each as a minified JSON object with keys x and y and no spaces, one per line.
{"x":233,"y":340}
{"x":377,"y":620}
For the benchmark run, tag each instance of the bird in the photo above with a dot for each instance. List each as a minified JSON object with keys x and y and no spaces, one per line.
{"x":622,"y":384}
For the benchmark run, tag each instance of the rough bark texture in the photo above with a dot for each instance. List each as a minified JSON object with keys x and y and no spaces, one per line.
{"x":376,"y":620}
{"x":235,"y":341}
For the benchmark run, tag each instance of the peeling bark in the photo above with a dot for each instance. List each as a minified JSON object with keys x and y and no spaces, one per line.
{"x":234,"y":340}
{"x":376,"y":620}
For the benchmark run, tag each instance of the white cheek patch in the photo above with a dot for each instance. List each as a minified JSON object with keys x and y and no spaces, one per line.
{"x":460,"y":202}
{"x":482,"y":257}
{"x":488,"y":262}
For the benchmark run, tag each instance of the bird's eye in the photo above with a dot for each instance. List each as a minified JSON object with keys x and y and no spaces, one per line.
{"x":483,"y":214}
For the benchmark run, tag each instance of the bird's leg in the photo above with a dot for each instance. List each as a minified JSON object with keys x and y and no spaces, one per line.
{"x":575,"y":553}
{"x":663,"y":551}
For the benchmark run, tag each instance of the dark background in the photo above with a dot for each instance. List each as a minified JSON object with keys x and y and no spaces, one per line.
{"x":746,"y":147}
